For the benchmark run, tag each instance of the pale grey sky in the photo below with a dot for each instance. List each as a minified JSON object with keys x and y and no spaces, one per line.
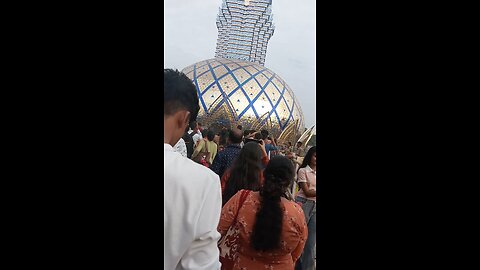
{"x":190,"y":36}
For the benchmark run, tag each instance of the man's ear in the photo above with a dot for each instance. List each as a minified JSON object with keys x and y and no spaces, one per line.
{"x":187,"y":118}
{"x":183,"y":118}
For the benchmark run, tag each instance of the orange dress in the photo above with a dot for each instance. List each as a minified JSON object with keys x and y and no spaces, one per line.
{"x":294,"y":234}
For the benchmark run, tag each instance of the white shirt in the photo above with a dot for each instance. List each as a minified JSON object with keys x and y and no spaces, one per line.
{"x":196,"y":138}
{"x":181,"y":147}
{"x":192,"y":206}
{"x":309,"y":176}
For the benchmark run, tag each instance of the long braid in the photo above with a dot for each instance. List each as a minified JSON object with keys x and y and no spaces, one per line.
{"x":269,"y":219}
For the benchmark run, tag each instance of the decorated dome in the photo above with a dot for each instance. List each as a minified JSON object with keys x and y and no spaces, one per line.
{"x":233,"y":92}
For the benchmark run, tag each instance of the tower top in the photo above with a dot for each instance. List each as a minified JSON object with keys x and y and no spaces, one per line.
{"x":244,"y":29}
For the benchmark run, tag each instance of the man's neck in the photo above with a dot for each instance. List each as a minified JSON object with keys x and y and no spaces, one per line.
{"x":234,"y":144}
{"x":167,"y":135}
{"x":167,"y":138}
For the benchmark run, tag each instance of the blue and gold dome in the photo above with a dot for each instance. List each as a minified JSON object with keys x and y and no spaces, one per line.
{"x":233,"y":92}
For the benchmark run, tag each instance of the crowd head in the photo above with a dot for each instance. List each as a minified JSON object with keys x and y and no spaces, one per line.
{"x":252,"y":164}
{"x":245,"y":171}
{"x":180,"y":104}
{"x":310,"y":158}
{"x":235,"y":136}
{"x":210,"y":135}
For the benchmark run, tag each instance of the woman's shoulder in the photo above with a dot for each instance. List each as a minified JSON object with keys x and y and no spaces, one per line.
{"x":292,"y":207}
{"x":302,"y":169}
{"x":248,"y":193}
{"x":245,"y":195}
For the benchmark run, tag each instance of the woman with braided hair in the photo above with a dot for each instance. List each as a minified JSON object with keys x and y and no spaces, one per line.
{"x":272,"y":229}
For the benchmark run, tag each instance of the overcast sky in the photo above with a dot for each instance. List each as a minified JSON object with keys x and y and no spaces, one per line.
{"x":191,"y":34}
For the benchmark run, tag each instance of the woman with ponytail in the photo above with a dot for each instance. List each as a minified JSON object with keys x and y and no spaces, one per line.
{"x":272,"y":229}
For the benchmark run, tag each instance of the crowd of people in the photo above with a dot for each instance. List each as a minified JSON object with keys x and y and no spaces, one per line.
{"x":234,"y":198}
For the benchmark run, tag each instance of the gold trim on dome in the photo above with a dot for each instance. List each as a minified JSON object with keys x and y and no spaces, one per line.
{"x":307,"y":135}
{"x":245,"y":93}
{"x":289,"y":134}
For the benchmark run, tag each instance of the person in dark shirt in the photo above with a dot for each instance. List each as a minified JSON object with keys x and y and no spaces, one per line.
{"x":187,"y":137}
{"x":225,"y":158}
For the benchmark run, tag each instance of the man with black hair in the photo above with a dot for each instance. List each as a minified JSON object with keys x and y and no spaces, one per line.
{"x":299,"y":150}
{"x":192,"y":201}
{"x":225,"y":158}
{"x":257,"y":136}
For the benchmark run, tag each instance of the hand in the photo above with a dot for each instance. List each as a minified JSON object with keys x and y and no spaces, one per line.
{"x":262,"y":146}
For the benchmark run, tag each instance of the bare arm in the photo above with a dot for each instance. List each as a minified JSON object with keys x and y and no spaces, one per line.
{"x":265,"y":158}
{"x":297,"y":252}
{"x":307,"y":191}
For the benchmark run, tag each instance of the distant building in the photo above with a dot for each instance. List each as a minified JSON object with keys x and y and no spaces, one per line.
{"x":244,"y":29}
{"x":235,"y":87}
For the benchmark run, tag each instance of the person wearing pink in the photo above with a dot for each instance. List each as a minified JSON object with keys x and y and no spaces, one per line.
{"x":307,"y":181}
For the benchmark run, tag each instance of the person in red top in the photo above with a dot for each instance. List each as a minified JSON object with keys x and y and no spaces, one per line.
{"x":272,"y":229}
{"x":246,"y":171}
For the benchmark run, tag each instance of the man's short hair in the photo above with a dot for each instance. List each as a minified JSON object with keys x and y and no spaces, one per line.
{"x":193,"y":124}
{"x":239,"y":127}
{"x":179,"y":93}
{"x":235,"y":136}
{"x":210,"y":135}
{"x":264,"y":133}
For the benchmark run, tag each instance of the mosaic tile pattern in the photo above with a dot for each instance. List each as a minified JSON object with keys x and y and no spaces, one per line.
{"x":232,"y":91}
